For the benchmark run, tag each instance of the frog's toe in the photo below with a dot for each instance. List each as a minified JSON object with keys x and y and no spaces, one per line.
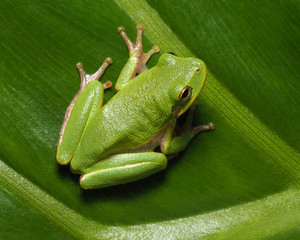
{"x":146,"y":56}
{"x":107,"y":84}
{"x":211,"y":126}
{"x":208,"y":127}
{"x":98,"y":74}
{"x":126,"y":39}
{"x":140,"y":27}
{"x":121,"y":29}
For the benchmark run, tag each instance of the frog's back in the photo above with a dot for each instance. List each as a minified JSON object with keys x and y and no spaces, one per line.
{"x":130,"y":119}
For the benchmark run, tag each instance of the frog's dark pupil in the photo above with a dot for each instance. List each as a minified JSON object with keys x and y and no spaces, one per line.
{"x":185,"y":93}
{"x":172,"y":53}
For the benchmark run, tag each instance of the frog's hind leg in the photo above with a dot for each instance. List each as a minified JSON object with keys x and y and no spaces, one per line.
{"x":122,"y":168}
{"x":137,"y":58}
{"x":86,"y":102}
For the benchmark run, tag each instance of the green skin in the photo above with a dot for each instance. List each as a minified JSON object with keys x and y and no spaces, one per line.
{"x":114,"y":143}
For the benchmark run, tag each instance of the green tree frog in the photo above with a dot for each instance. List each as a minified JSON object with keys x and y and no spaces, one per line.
{"x":135,"y":132}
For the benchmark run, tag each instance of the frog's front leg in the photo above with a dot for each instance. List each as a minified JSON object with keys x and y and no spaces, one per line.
{"x":179,"y":136}
{"x":83,"y":107}
{"x":122,"y":168}
{"x":137,"y":58}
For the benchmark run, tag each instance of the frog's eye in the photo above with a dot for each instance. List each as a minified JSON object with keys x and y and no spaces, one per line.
{"x":185,"y":94}
{"x":172,"y":53}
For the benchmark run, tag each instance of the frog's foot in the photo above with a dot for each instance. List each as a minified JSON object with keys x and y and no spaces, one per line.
{"x":137,"y":48}
{"x":201,"y":128}
{"x":187,"y":126}
{"x":184,"y":133}
{"x":86,"y":78}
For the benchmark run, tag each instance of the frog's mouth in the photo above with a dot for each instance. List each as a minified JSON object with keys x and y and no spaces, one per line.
{"x":183,"y":123}
{"x":180,"y":121}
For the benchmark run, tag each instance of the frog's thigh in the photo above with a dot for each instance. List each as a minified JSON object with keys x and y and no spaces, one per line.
{"x":89,"y":101}
{"x":122,"y":168}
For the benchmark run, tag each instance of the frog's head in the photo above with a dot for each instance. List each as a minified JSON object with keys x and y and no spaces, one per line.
{"x":186,"y":77}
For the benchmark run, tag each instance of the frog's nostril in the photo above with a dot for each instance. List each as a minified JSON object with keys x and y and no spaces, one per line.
{"x":197,"y":70}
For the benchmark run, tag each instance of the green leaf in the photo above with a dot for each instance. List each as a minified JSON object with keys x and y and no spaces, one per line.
{"x":239,"y":182}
